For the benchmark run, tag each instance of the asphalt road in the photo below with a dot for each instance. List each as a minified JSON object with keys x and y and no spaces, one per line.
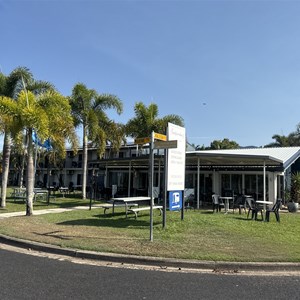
{"x":25,"y":276}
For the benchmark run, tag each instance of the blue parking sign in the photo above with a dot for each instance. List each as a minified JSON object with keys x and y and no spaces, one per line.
{"x":175,"y":200}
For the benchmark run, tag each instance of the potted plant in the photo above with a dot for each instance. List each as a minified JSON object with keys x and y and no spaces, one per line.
{"x":293,"y":205}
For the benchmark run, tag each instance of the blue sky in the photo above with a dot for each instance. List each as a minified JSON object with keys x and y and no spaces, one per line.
{"x":231,"y":69}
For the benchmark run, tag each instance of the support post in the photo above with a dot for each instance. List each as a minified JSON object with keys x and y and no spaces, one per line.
{"x":198,"y":183}
{"x":151,"y":184}
{"x":165,"y":190}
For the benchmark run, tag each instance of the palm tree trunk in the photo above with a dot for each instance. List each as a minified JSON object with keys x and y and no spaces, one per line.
{"x":84,"y":161}
{"x":22,"y":169}
{"x":5,"y":166}
{"x":29,"y":175}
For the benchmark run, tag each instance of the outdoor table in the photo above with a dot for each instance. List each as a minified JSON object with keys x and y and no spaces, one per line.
{"x":128,"y":200}
{"x":63,"y":190}
{"x":264,"y":203}
{"x":226,"y":206}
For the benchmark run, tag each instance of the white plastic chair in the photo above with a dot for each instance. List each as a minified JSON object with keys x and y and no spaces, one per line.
{"x":217,"y":202}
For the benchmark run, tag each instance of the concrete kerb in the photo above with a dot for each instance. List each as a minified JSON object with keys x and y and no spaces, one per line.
{"x":234,"y":267}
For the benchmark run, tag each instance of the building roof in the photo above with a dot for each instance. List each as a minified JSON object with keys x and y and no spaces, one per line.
{"x":281,"y":156}
{"x":252,"y":158}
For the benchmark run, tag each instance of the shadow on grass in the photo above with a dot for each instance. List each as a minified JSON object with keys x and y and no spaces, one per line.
{"x":54,"y":234}
{"x":241,"y":218}
{"x":207,"y":212}
{"x":106,"y":221}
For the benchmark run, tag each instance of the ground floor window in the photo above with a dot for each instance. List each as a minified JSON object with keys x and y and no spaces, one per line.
{"x":254,"y":186}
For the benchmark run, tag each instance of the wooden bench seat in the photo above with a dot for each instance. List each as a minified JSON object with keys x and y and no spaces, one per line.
{"x":18,"y":195}
{"x":138,"y":209}
{"x":23,"y":197}
{"x":107,"y":206}
{"x":43,"y":195}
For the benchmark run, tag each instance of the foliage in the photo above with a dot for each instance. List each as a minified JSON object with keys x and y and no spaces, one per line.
{"x":88,"y":110}
{"x":295,"y":187}
{"x":291,"y":140}
{"x":218,"y":144}
{"x":146,"y":120}
{"x":224,"y":144}
{"x":10,"y":87}
{"x":49,"y":115}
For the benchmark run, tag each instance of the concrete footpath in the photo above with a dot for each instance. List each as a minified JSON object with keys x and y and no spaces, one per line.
{"x":45,"y":211}
{"x":231,"y":267}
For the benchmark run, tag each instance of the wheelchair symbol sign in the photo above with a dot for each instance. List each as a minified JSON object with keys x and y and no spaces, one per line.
{"x":175,"y":200}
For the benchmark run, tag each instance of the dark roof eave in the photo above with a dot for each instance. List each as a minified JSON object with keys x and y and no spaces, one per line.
{"x":240,"y":159}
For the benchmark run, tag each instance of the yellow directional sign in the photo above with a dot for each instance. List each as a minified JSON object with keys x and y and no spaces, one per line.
{"x":143,"y":140}
{"x":146,"y":140}
{"x":159,"y":136}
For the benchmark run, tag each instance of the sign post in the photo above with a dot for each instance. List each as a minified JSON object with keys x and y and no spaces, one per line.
{"x":176,"y":162}
{"x":162,"y":143}
{"x":151,"y":184}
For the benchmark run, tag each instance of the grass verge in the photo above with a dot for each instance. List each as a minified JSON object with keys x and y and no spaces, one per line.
{"x":58,"y":202}
{"x":201,"y":235}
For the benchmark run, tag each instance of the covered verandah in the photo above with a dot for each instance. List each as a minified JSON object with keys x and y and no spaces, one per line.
{"x":221,"y":163}
{"x":264,"y":170}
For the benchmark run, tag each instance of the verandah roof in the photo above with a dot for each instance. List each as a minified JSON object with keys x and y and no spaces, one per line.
{"x":276,"y":157}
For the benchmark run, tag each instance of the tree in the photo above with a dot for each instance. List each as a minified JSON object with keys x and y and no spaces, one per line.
{"x":49,"y":115}
{"x":218,"y":144}
{"x":115,"y":134}
{"x":280,"y":141}
{"x":88,"y":109}
{"x":285,"y":141}
{"x":146,"y":120}
{"x":291,"y":140}
{"x":11,"y":86}
{"x":224,"y":144}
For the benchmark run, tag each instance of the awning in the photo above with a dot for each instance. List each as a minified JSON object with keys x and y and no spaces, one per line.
{"x":230,"y":159}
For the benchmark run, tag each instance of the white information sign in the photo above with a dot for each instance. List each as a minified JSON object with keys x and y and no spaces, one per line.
{"x":176,"y":159}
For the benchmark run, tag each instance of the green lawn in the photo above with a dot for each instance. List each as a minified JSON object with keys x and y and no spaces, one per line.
{"x":58,"y":201}
{"x":202,"y":235}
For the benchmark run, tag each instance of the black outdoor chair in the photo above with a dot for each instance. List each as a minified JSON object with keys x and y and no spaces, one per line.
{"x":254,"y":208}
{"x":71,"y":186}
{"x":243,"y":205}
{"x":240,"y":203}
{"x":275,"y":209}
{"x":189,"y":202}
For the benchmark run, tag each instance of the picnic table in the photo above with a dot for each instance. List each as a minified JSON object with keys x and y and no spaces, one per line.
{"x":127,"y":201}
{"x":63,"y":190}
{"x":19,"y":193}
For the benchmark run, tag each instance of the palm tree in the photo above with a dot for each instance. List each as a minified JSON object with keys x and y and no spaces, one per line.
{"x":49,"y":115}
{"x":285,"y":141}
{"x":146,"y":120}
{"x":10,"y":86}
{"x":88,"y":108}
{"x":115,"y":134}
